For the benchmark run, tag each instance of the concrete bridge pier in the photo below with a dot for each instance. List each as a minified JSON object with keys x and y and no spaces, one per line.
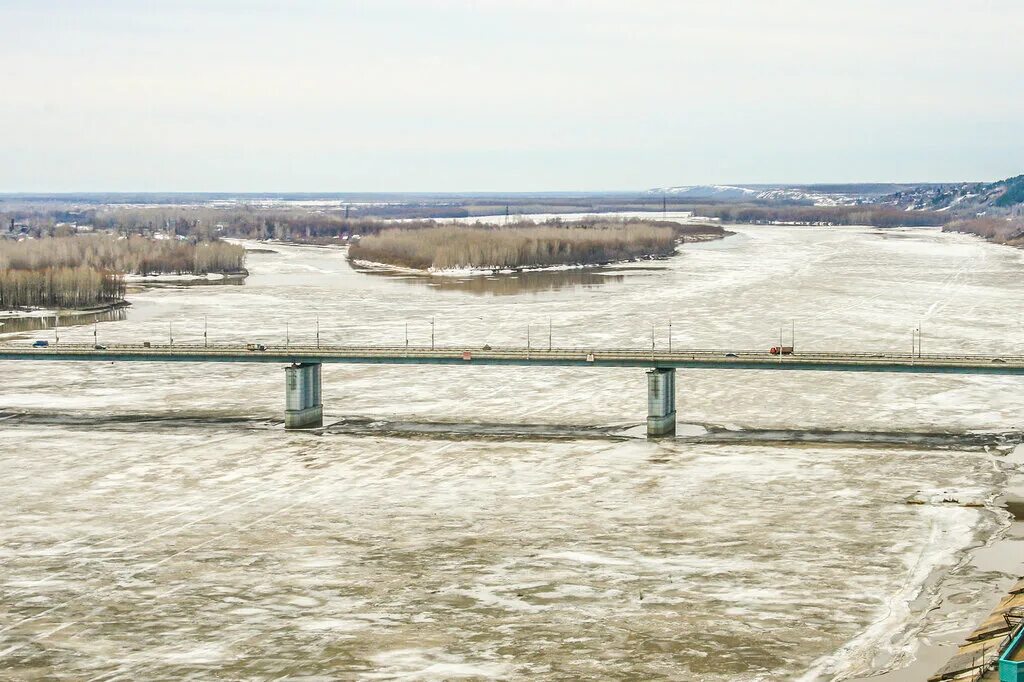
{"x":661,"y":402}
{"x":303,"y":408}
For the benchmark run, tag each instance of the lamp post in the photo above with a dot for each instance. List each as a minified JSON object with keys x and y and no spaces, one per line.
{"x":431,"y":333}
{"x":318,"y":331}
{"x":206,"y":339}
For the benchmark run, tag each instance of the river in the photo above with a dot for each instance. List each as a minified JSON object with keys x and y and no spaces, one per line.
{"x":158,"y":523}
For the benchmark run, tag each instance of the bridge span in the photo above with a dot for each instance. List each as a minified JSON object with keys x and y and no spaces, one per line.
{"x":304,"y":407}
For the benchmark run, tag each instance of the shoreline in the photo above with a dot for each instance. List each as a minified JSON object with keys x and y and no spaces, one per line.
{"x":39,"y":319}
{"x":484,"y":272}
{"x":995,"y":564}
{"x":30,"y":312}
{"x":27,"y":312}
{"x":185,"y":277}
{"x":1013,"y":244}
{"x":32,"y":318}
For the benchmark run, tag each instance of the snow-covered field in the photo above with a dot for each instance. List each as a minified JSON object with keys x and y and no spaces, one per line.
{"x":158,"y":523}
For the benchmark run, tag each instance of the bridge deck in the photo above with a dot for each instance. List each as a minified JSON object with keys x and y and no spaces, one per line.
{"x":519,"y":356}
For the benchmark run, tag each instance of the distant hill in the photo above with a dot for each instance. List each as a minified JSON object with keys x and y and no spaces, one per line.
{"x":847,"y":194}
{"x":969,"y":199}
{"x":961,"y":199}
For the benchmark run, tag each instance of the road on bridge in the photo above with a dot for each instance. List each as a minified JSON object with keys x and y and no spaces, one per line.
{"x":525,"y":357}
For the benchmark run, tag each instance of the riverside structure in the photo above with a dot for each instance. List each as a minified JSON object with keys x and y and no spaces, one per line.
{"x":304,"y":406}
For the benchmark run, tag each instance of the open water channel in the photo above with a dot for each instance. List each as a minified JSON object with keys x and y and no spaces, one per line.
{"x":158,"y":523}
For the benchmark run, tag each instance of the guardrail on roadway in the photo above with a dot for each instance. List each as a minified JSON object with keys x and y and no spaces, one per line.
{"x":524,"y":356}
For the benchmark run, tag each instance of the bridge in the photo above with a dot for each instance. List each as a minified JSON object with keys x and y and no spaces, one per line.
{"x":304,"y":407}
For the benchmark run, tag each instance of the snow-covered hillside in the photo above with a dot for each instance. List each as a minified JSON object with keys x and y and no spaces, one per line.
{"x":782,"y":194}
{"x":1004,"y":197}
{"x":965,"y":198}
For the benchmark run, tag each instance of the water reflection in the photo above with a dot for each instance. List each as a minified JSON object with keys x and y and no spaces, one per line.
{"x":507,"y":284}
{"x":12,"y":325}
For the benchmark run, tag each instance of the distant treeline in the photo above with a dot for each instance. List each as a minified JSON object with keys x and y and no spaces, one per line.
{"x":286,"y":224}
{"x":316,"y":224}
{"x":998,"y":230}
{"x":864,"y":214}
{"x":280,"y":222}
{"x":75,"y":272}
{"x":515,"y":246}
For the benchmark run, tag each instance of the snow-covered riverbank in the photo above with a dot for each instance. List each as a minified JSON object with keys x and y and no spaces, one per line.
{"x":184,"y":277}
{"x":473,"y":272}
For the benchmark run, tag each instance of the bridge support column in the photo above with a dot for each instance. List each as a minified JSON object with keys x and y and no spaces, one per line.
{"x":303,"y":408}
{"x":661,"y":402}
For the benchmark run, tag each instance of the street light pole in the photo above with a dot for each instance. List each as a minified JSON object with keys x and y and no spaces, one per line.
{"x":206,"y":338}
{"x":670,"y":335}
{"x":431,"y":333}
{"x":318,"y":331}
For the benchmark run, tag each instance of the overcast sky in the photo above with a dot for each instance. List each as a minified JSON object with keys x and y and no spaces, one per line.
{"x":447,"y":95}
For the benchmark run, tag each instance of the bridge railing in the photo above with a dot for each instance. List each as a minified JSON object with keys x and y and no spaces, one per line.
{"x":312,"y":350}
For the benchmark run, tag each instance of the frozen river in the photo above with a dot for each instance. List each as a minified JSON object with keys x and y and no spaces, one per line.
{"x":158,"y":523}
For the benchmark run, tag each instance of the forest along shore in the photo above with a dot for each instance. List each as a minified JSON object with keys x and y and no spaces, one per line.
{"x":440,"y":249}
{"x":90,"y":273}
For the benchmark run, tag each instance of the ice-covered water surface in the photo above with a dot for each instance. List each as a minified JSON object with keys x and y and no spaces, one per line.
{"x":180,"y":548}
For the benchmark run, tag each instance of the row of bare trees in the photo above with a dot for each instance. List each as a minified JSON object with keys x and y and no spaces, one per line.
{"x":999,"y":230}
{"x":87,"y":270}
{"x":521,"y":245}
{"x":253,"y":222}
{"x":877,"y":216}
{"x":136,"y":255}
{"x":78,"y":287}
